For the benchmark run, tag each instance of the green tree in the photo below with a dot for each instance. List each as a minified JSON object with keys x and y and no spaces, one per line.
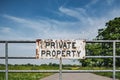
{"x":111,"y":32}
{"x":93,"y":49}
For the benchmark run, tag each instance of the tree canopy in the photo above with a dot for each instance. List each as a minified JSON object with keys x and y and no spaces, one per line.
{"x":111,"y":32}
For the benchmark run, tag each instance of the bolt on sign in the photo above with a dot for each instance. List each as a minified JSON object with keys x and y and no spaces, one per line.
{"x":72,"y":49}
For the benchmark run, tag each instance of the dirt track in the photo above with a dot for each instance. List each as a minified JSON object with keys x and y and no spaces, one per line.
{"x":76,"y":76}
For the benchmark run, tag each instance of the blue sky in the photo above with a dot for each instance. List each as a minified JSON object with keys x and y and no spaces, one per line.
{"x":55,"y":19}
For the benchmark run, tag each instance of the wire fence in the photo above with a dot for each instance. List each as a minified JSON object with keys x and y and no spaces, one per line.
{"x":6,"y":58}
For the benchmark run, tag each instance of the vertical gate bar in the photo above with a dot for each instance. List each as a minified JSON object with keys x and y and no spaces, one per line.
{"x":60,"y":69}
{"x":6,"y":59}
{"x":114,"y":60}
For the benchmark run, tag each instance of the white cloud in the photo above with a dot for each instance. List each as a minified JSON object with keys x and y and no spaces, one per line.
{"x":78,"y":13}
{"x":114,"y":13}
{"x":52,"y":29}
{"x":45,"y":28}
{"x":5,"y":29}
{"x":91,"y":24}
{"x":26,"y":22}
{"x":91,"y":3}
{"x":85,"y":28}
{"x":109,"y":2}
{"x":15,"y":18}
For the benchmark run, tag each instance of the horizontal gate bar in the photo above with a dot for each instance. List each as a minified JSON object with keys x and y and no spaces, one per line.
{"x":33,"y":41}
{"x":57,"y":71}
{"x":19,"y":57}
{"x":102,"y":41}
{"x":15,"y":41}
{"x":102,"y":56}
{"x":35,"y":57}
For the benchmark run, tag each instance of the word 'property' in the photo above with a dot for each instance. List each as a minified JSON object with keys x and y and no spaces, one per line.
{"x":60,"y":48}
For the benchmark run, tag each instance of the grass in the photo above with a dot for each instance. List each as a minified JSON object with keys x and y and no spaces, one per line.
{"x":107,"y":74}
{"x":38,"y":76}
{"x":110,"y":74}
{"x":26,"y":76}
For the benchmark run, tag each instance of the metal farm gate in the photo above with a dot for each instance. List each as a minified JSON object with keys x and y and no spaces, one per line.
{"x":60,"y":71}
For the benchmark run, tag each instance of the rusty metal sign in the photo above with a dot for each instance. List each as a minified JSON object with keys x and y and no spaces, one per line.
{"x":72,"y":49}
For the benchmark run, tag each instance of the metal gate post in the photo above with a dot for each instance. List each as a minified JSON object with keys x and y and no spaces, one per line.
{"x":60,"y":69}
{"x":6,"y":60}
{"x":114,"y":59}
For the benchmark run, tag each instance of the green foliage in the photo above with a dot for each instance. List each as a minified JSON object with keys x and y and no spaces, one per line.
{"x":111,"y":32}
{"x":93,"y":49}
{"x":27,"y":76}
{"x":110,"y":74}
{"x":38,"y":76}
{"x":2,"y":76}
